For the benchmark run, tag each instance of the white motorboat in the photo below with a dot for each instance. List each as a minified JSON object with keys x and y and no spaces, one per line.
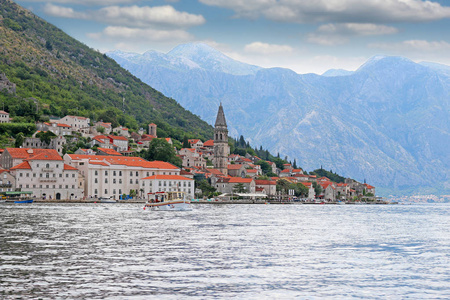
{"x":168,"y":201}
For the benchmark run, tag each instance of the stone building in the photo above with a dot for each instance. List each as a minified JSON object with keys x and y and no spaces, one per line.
{"x":221,"y":148}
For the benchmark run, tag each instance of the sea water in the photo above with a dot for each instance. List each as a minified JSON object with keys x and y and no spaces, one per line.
{"x":120,"y":251}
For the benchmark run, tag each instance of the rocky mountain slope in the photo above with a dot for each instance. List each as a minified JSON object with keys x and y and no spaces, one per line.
{"x":387,"y":122}
{"x":55,"y":74}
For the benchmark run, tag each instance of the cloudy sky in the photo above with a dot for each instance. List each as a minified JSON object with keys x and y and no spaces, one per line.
{"x":303,"y":35}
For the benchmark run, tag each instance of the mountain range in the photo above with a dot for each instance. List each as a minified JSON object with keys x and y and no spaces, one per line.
{"x":386,"y":123}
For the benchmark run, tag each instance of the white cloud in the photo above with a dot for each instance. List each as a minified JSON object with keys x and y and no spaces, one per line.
{"x":410,"y":46}
{"x":265,"y":49}
{"x":63,"y":12}
{"x":87,"y":2}
{"x":144,"y":16}
{"x":132,"y":16}
{"x":355,"y":11}
{"x":145,"y":35}
{"x":334,"y":34}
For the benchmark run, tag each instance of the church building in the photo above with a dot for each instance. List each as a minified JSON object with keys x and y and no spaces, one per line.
{"x":221,"y":148}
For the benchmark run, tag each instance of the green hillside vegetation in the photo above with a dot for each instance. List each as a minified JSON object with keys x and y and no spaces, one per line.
{"x":56,"y":75}
{"x":329,"y":174}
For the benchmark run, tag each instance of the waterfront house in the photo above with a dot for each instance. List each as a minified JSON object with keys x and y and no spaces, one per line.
{"x":46,"y":175}
{"x":112,"y":176}
{"x":226,"y":185}
{"x":168,"y":183}
{"x":7,"y":181}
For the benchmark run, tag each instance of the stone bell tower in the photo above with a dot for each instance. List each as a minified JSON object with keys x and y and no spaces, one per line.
{"x":221,"y":148}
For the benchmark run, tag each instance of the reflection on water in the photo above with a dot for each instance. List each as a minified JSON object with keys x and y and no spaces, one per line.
{"x":91,"y":251}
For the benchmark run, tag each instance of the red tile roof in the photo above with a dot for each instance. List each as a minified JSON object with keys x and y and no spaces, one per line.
{"x":23,"y":166}
{"x":167,"y":177}
{"x":29,"y":154}
{"x":234,"y":167}
{"x":117,"y":137}
{"x":131,"y":161}
{"x":265,"y":182}
{"x":109,"y":151}
{"x":209,"y":143}
{"x":239,"y":180}
{"x":67,"y":167}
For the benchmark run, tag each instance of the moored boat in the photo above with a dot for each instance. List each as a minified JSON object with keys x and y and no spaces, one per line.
{"x":168,"y":201}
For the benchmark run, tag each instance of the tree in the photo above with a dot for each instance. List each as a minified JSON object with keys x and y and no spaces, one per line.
{"x":19,"y":140}
{"x":206,"y":188}
{"x":317,"y":188}
{"x":295,"y":164}
{"x":239,"y":188}
{"x":45,"y":137}
{"x":265,"y":167}
{"x":186,"y":143}
{"x":283,"y":185}
{"x":160,"y":149}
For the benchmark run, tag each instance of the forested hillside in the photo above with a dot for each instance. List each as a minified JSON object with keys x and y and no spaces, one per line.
{"x":56,"y":75}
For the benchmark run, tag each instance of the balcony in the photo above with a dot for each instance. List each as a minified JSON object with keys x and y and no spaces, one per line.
{"x":45,"y":170}
{"x":5,"y":185}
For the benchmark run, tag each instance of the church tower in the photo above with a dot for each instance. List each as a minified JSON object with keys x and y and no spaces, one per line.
{"x":221,"y":148}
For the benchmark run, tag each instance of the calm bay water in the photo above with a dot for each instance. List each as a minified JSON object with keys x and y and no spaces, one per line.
{"x":119,"y":251}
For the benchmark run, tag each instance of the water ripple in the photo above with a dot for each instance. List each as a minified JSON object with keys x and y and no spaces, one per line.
{"x":88,"y":251}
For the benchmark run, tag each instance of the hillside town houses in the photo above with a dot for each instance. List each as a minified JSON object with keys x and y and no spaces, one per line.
{"x":110,"y":167}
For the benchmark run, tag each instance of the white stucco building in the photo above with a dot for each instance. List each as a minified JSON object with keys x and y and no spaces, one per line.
{"x":46,"y":175}
{"x":113,"y":176}
{"x":168,"y":183}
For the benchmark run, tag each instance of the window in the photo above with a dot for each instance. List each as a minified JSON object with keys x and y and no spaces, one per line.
{"x":47,"y":166}
{"x":67,"y":186}
{"x":21,"y":174}
{"x":120,"y":191}
{"x":114,"y":180}
{"x":148,"y":174}
{"x":137,"y":181}
{"x":106,"y":180}
{"x":60,"y":186}
{"x":95,"y":191}
{"x":114,"y":191}
{"x":114,"y":173}
{"x":96,"y":172}
{"x":34,"y":174}
{"x":47,"y":175}
{"x":131,"y":173}
{"x":73,"y":175}
{"x":131,"y":180}
{"x":165,"y":183}
{"x":137,"y":174}
{"x":73,"y":186}
{"x":60,"y":175}
{"x":120,"y":173}
{"x":106,"y":192}
{"x":106,"y":173}
{"x":95,"y":180}
{"x":120,"y":180}
{"x":28,"y":175}
{"x":159,"y":183}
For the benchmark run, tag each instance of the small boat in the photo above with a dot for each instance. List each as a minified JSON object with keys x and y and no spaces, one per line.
{"x":19,"y":201}
{"x":106,"y":200}
{"x":168,"y":201}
